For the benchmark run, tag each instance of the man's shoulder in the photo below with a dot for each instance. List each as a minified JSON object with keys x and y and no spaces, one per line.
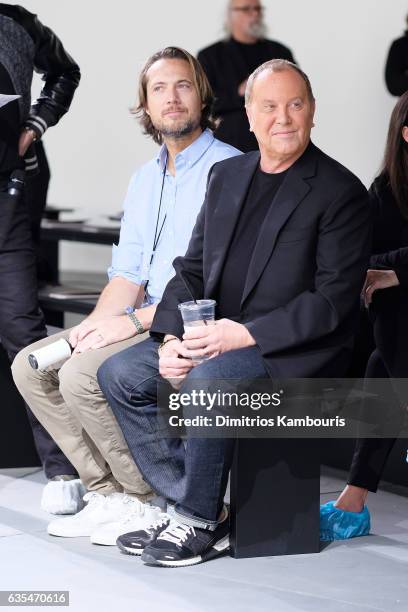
{"x":335,"y":173}
{"x":277,"y":49}
{"x":144,"y":171}
{"x":222,"y":151}
{"x":233,"y":165}
{"x":272,"y":41}
{"x":212,"y":50}
{"x":216,"y":152}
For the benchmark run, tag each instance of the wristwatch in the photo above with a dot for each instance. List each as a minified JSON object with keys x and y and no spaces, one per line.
{"x":132,"y":316}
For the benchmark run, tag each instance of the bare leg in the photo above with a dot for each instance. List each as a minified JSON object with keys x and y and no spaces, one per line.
{"x":351,"y":499}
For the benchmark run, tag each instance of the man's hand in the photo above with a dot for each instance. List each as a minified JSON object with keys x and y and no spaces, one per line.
{"x":94,"y":334}
{"x":27,"y":137}
{"x":173,"y":366}
{"x":377,"y":279}
{"x":80,"y":331}
{"x":211,"y":340}
{"x":242,"y":87}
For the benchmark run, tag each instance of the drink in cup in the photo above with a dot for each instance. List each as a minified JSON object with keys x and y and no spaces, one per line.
{"x":200,"y":312}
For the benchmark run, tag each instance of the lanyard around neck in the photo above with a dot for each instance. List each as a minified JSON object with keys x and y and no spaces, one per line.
{"x":157,"y":231}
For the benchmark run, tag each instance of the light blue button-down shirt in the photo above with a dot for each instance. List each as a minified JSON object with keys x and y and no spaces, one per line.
{"x":183,"y":195}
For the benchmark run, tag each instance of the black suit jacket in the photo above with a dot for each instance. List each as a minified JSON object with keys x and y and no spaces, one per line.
{"x":301,"y":296}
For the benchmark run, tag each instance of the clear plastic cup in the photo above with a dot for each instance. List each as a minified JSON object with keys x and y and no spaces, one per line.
{"x":201,"y":312}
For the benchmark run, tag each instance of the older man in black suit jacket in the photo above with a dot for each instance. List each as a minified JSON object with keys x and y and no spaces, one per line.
{"x":282,"y":244}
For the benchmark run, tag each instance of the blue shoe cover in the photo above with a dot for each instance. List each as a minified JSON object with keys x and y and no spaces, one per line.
{"x":336,"y":524}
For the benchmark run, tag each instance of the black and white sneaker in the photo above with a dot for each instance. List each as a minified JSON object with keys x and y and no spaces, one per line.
{"x":180,"y":545}
{"x":134,"y":543}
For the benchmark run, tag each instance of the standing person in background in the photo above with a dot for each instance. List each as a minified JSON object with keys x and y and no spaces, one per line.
{"x":28,"y":45}
{"x":386,"y":294}
{"x":396,"y":69}
{"x":229,"y":62}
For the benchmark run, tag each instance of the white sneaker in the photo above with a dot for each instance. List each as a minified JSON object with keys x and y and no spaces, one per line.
{"x":63,"y":496}
{"x":136,"y":515}
{"x":100,"y":509}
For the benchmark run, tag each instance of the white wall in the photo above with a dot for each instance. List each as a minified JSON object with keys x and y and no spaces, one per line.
{"x":93,"y":151}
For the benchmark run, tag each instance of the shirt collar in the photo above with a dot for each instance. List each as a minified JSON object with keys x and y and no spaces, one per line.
{"x":191,"y":154}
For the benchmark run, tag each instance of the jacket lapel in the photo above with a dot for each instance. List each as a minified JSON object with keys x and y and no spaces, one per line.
{"x":292,"y":191}
{"x":230,"y":200}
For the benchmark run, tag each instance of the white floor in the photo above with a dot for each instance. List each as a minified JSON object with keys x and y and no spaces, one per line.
{"x":363,"y":574}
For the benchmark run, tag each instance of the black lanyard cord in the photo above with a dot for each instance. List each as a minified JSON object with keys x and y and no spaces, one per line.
{"x":157,"y":235}
{"x":157,"y":231}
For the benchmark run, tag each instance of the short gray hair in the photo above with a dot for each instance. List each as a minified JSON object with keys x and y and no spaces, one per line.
{"x":276,"y":65}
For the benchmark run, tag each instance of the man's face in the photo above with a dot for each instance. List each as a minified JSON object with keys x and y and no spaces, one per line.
{"x":246,"y":18}
{"x":280,"y":114}
{"x":173,"y":102}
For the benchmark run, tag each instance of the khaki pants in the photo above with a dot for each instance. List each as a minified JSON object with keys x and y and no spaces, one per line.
{"x":70,"y":405}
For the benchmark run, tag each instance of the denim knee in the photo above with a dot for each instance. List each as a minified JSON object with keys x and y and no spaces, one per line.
{"x":225,"y":365}
{"x":111,"y":377}
{"x":129,"y":372}
{"x":206,"y":370}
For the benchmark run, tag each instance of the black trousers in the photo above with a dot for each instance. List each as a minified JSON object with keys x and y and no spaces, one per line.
{"x":21,"y":320}
{"x":371,"y":454}
{"x":389,"y":360}
{"x":36,"y":197}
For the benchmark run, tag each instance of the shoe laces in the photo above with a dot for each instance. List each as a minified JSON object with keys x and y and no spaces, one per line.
{"x":92,"y":499}
{"x":133,"y":507}
{"x":162,"y":520}
{"x":177,"y":533}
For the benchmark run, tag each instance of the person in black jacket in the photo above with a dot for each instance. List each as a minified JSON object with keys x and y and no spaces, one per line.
{"x":282,"y":244}
{"x":396,"y":68}
{"x":385,"y":292}
{"x":229,"y":62}
{"x":28,"y":45}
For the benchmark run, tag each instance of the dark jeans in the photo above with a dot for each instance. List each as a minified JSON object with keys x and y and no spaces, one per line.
{"x":192,"y":477}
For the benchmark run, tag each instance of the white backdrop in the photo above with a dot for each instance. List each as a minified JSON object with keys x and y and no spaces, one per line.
{"x":96,"y":147}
